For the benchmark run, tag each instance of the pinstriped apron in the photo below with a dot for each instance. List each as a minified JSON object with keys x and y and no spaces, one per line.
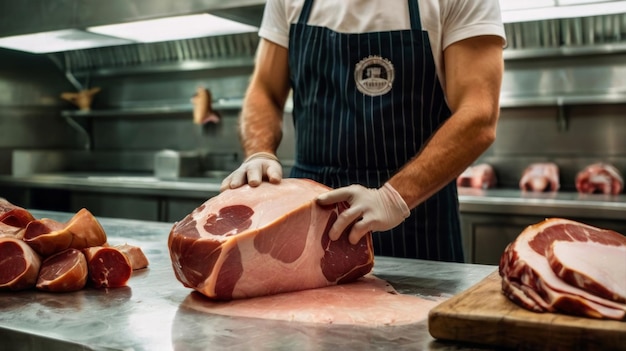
{"x":364,"y":105}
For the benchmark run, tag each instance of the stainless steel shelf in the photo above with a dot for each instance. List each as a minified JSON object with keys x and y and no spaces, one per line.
{"x":564,"y":100}
{"x":152,"y":111}
{"x":564,"y":51}
{"x":187,"y":65}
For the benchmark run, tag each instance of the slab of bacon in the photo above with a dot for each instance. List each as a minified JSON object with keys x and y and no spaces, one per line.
{"x":600,"y":178}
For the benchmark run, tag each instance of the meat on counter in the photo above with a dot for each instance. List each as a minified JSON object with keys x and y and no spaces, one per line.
{"x":540,"y":177}
{"x":600,"y":178}
{"x":480,"y":176}
{"x":264,"y":240}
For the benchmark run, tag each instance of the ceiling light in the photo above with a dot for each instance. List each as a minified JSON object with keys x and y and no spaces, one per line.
{"x":174,"y":28}
{"x":59,"y":40}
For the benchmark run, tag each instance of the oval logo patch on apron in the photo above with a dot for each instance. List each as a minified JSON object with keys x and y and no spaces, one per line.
{"x":374,"y":75}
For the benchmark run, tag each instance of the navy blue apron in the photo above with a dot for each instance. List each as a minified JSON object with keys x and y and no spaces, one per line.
{"x":364,"y":105}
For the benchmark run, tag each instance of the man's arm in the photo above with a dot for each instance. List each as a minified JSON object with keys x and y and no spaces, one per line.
{"x":474,"y":69}
{"x":260,"y":123}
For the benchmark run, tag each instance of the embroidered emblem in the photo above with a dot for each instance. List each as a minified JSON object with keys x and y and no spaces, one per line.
{"x":374,"y":75}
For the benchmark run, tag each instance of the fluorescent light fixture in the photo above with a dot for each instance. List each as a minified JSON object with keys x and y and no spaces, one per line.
{"x":59,"y":40}
{"x":563,"y":11}
{"x":174,"y":28}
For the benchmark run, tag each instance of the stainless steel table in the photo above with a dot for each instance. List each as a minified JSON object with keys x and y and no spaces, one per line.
{"x":148,"y":314}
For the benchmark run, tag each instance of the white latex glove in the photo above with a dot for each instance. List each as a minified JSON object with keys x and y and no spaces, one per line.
{"x":370,"y":210}
{"x":259,"y":166}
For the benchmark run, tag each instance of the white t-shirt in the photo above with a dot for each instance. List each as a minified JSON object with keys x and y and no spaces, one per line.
{"x":446,"y":21}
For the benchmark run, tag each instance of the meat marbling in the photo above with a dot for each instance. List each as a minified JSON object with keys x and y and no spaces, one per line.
{"x":255,"y":241}
{"x":108,"y":267}
{"x":529,"y":280}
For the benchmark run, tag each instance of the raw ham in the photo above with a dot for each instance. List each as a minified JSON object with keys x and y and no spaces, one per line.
{"x":367,"y":302}
{"x":602,"y":273}
{"x":481,"y":176}
{"x":47,"y":236}
{"x":108,"y":267}
{"x":11,"y":231}
{"x":19,"y":265}
{"x":255,"y":241}
{"x":599,"y":178}
{"x":14,"y":215}
{"x":135,"y":255}
{"x":63,"y":272}
{"x":540,"y":177}
{"x":529,"y":280}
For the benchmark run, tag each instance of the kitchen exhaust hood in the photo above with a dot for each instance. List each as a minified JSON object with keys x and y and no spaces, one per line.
{"x":81,"y":24}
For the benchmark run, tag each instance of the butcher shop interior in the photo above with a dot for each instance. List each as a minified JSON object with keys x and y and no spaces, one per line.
{"x":141,"y":132}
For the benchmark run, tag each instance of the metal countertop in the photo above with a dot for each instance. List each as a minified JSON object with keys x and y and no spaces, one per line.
{"x":148,"y":314}
{"x":496,"y":201}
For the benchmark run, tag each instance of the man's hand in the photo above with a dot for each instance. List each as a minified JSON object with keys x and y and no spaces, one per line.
{"x":370,"y":210}
{"x":256,"y":168}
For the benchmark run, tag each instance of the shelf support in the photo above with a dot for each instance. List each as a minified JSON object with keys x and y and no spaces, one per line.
{"x":562,"y":121}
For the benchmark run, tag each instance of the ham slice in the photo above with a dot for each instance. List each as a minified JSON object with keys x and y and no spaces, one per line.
{"x":11,"y":231}
{"x":19,"y":265}
{"x":47,"y":236}
{"x":540,"y":177}
{"x":108,"y":267}
{"x":270,"y":239}
{"x":529,"y":280}
{"x":135,"y":255}
{"x":599,"y":178}
{"x":481,"y":176}
{"x":63,"y":272}
{"x":367,"y":302}
{"x":595,"y":267}
{"x":14,"y":215}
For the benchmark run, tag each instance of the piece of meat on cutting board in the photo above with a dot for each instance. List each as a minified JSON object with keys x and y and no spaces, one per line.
{"x":540,"y":177}
{"x":529,"y":279}
{"x":264,"y":240}
{"x":480,"y":176}
{"x":19,"y":265}
{"x":599,"y":178}
{"x":64,"y":271}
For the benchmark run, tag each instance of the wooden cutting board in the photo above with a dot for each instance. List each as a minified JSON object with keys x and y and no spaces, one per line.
{"x":483,"y":315}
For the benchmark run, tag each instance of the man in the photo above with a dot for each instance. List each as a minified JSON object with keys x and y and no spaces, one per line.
{"x":393,"y":99}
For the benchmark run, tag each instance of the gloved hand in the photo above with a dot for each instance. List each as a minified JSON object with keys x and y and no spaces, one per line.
{"x":370,"y":210}
{"x":258,"y":166}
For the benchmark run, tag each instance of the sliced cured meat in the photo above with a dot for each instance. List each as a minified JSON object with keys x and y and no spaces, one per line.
{"x":528,"y":278}
{"x":367,"y":302}
{"x":597,"y":268}
{"x":540,"y":177}
{"x":11,"y":231}
{"x":19,"y":265}
{"x":108,"y":267}
{"x":481,"y":176}
{"x":135,"y":255}
{"x":14,"y":215}
{"x":599,"y":178}
{"x":270,"y":239}
{"x":48,"y":236}
{"x":63,"y":272}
